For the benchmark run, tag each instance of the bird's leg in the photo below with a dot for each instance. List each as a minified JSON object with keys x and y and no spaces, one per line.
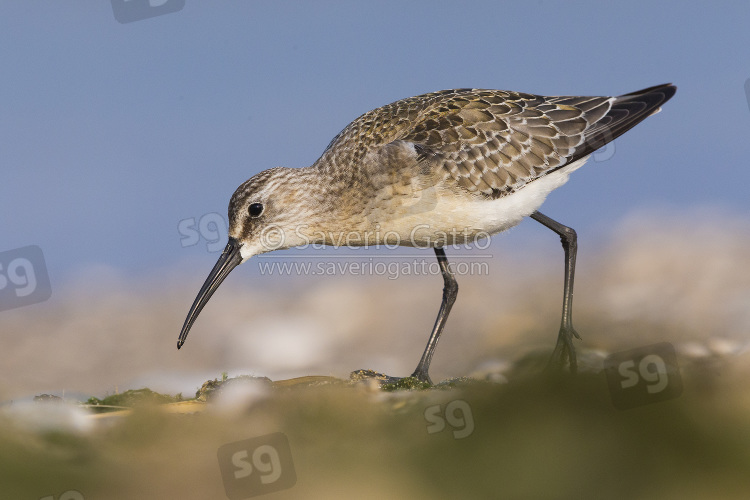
{"x":450,"y":291}
{"x":564,"y":348}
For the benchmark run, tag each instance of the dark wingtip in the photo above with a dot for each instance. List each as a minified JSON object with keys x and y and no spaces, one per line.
{"x":179,"y":344}
{"x":667,"y":89}
{"x":627,"y":111}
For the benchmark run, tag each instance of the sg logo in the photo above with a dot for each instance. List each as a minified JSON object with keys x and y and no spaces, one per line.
{"x":458,"y":415}
{"x":256,"y":466}
{"x":23,"y":278}
{"x":645,"y":375}
{"x":211,"y":227}
{"x":127,"y":11}
{"x":68,"y":495}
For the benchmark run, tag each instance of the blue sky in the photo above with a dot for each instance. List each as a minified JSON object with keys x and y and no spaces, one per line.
{"x":111,"y":134}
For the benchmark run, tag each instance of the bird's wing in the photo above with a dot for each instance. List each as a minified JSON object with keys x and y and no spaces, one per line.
{"x":494,"y":142}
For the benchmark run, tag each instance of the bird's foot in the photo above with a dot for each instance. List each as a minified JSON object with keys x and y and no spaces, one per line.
{"x":565,"y":352}
{"x":381,"y":378}
{"x":422,"y":376}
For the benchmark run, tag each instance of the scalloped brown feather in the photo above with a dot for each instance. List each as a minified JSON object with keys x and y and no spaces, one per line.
{"x":494,"y":142}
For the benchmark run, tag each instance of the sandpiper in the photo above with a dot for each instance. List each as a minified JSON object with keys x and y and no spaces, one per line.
{"x":429,"y":171}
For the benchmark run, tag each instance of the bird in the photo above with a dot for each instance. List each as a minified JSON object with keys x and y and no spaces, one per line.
{"x":429,"y":171}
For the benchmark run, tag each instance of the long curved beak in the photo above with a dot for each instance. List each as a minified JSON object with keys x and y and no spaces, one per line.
{"x":229,"y":259}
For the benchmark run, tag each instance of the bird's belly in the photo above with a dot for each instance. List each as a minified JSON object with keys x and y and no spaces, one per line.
{"x":450,"y":218}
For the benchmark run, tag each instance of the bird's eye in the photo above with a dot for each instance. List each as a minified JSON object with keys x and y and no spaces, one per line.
{"x":255,"y":209}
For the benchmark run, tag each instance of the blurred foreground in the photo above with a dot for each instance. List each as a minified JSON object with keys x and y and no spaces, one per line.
{"x":532,"y":437}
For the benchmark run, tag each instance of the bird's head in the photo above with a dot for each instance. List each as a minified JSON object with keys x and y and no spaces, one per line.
{"x":267,"y":212}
